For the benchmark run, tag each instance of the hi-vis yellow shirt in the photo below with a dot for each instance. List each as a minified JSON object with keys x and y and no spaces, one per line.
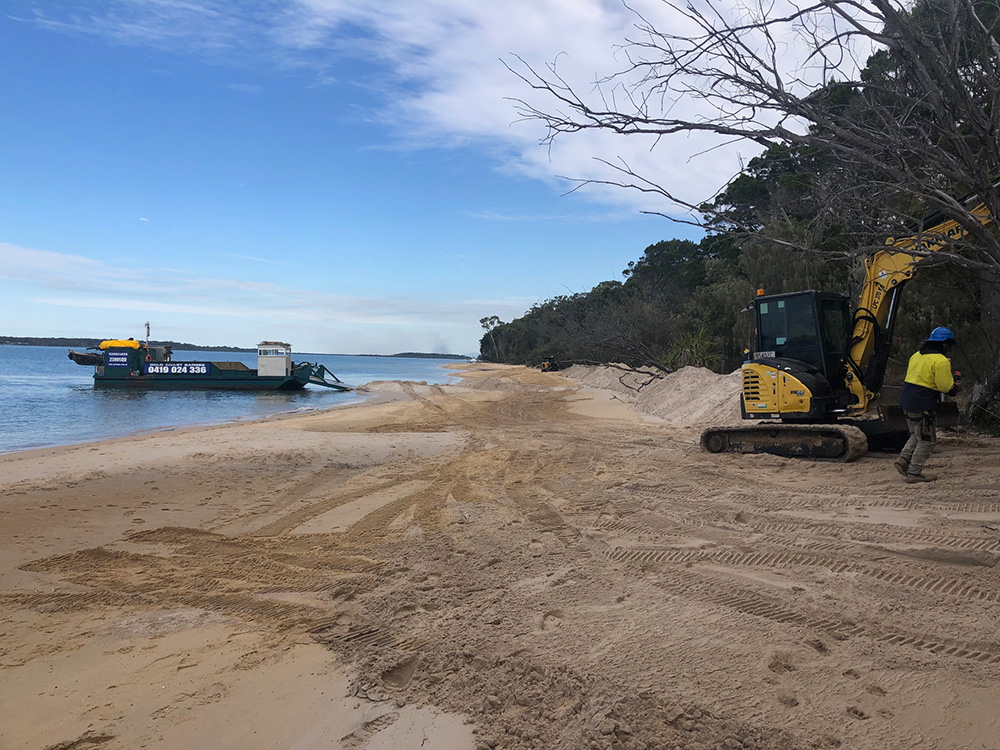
{"x":930,"y":371}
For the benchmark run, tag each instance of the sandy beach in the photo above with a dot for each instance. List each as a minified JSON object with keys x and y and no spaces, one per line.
{"x":522,"y":560}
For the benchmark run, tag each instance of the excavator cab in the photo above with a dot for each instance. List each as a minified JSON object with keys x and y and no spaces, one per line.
{"x":808,"y":327}
{"x":798,"y":365}
{"x":796,"y":374}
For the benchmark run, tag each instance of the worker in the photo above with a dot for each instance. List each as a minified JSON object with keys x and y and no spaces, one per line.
{"x":928,"y":375}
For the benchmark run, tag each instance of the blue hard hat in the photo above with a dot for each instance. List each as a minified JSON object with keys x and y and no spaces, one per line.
{"x":941,"y":334}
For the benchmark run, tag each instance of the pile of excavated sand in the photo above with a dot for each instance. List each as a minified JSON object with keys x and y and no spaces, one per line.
{"x":689,"y":397}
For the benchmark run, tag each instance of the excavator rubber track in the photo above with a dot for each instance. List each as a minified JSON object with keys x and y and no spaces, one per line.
{"x":823,"y":442}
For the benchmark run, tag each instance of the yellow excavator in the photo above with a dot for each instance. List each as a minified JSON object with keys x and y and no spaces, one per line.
{"x":802,"y":374}
{"x":550,"y":364}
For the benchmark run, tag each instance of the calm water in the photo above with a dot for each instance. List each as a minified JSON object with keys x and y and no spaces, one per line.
{"x":47,"y":399}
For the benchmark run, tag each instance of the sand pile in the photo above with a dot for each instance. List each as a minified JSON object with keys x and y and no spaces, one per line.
{"x":689,"y":397}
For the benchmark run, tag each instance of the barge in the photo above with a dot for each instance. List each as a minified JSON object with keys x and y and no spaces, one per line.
{"x":134,"y":364}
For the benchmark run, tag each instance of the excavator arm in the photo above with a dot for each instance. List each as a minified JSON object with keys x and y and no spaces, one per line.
{"x":885,"y":274}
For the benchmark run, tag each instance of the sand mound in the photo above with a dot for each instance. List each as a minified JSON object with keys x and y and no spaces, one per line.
{"x":689,"y":397}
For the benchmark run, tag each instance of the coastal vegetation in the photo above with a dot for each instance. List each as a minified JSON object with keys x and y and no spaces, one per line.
{"x":846,"y":162}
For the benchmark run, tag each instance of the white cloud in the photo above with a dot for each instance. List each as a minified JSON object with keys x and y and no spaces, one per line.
{"x":22,"y":262}
{"x":437,"y":65}
{"x":442,"y":75}
{"x":452,"y":88}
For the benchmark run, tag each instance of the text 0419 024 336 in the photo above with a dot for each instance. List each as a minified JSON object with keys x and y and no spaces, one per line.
{"x":186,"y":368}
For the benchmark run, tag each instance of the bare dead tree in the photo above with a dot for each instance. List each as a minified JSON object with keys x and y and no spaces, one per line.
{"x":901,"y":100}
{"x":915,"y":138}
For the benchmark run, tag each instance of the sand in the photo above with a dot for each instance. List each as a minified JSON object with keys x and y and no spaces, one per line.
{"x":523,"y":560}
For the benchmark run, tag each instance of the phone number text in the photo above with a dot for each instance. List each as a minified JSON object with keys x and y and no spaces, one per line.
{"x":178,"y":369}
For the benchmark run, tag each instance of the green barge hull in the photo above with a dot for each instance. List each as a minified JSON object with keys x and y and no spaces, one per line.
{"x":211,"y":378}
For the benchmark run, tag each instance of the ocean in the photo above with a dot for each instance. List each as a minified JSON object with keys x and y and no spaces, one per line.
{"x":47,"y":399}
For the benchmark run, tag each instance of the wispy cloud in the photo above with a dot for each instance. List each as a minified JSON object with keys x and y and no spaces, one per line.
{"x":204,"y":26}
{"x":88,"y":284}
{"x":255,"y":259}
{"x":437,"y":65}
{"x":439,"y":70}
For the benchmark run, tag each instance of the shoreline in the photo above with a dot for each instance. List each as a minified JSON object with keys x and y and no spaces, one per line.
{"x":370,"y":399}
{"x":67,"y":410}
{"x":69,"y":342}
{"x":361,"y":393}
{"x":187,"y":427}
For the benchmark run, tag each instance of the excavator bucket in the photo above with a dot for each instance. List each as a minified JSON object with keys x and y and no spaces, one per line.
{"x":947,"y":416}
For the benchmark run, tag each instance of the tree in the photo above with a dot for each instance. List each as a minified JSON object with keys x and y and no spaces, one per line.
{"x":890,"y":113}
{"x":490,"y":323}
{"x":912,"y":132}
{"x":680,"y":303}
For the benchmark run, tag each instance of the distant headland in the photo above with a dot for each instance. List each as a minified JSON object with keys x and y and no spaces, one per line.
{"x":181,"y":345}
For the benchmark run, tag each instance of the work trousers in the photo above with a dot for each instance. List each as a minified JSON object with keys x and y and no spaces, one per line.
{"x":923,"y":435}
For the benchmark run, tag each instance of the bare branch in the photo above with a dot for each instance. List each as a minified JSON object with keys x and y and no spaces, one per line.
{"x":917,"y":126}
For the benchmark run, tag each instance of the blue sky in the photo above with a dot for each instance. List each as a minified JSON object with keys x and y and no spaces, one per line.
{"x":345,"y":177}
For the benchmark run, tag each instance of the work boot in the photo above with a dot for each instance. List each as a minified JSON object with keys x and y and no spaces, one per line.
{"x":902,"y":465}
{"x":918,"y":478}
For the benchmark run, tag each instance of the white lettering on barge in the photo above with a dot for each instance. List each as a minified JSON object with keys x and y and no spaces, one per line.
{"x":177,"y":368}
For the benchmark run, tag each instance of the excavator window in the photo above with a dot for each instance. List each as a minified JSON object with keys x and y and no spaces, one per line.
{"x":788,"y":325}
{"x":834,"y":323}
{"x":807,"y":326}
